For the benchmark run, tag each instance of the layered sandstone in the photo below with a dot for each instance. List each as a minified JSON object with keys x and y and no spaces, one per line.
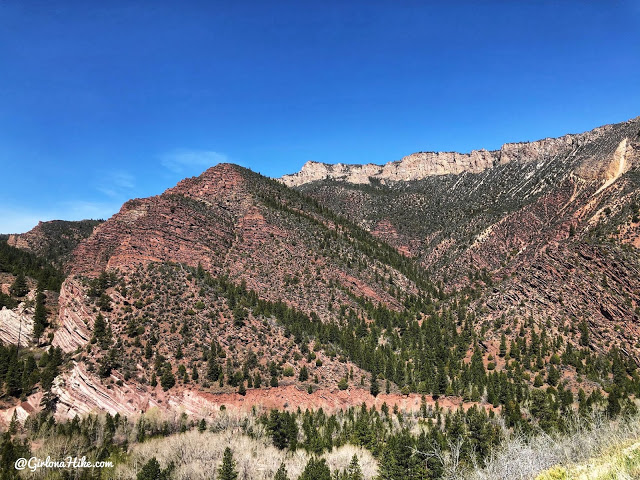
{"x":505,"y":211}
{"x":425,"y":164}
{"x":80,"y":392}
{"x":75,"y":317}
{"x":16,"y":326}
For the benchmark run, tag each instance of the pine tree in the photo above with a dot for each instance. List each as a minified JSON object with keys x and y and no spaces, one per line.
{"x":538,"y":381}
{"x":584,"y":333}
{"x":613,"y":403}
{"x":202,"y":425}
{"x":213,"y":368}
{"x":13,"y":425}
{"x":150,"y":470}
{"x":49,"y":402}
{"x":200,"y":271}
{"x":316,"y":470}
{"x":10,"y":451}
{"x":554,"y":376}
{"x":283,"y":429}
{"x":281,"y":474}
{"x":228,"y":468}
{"x":99,"y":328}
{"x":503,"y":346}
{"x":398,"y":460}
{"x":148,"y":351}
{"x":182,"y":373}
{"x":39,"y":316}
{"x":19,"y":286}
{"x":375,"y":388}
{"x":354,"y":472}
{"x":167,"y":380}
{"x":14,"y":377}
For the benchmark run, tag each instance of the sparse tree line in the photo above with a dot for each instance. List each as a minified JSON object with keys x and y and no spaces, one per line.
{"x":432,"y":346}
{"x":428,"y":444}
{"x":23,"y":264}
{"x":22,"y":371}
{"x":425,"y":352}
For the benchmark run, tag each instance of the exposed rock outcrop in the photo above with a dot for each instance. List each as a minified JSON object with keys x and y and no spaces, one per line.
{"x":80,"y":392}
{"x":16,"y":325}
{"x":75,"y":318}
{"x":518,"y":216}
{"x":424,"y":164}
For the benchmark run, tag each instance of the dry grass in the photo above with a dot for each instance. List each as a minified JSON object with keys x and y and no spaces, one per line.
{"x":196,"y":455}
{"x":618,"y":464}
{"x":524,"y":458}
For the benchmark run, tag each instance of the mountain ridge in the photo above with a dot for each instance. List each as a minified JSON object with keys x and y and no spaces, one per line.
{"x":420,"y":165}
{"x":498,"y":292}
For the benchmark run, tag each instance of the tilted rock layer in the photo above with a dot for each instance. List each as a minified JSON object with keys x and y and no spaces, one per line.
{"x":550,"y":220}
{"x":543,"y":230}
{"x":424,"y":164}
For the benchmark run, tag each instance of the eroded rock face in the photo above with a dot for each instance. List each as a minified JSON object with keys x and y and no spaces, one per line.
{"x":75,"y":318}
{"x":190,"y":223}
{"x":19,"y":241}
{"x":506,"y":211}
{"x":21,"y":410}
{"x":412,"y":167}
{"x":424,"y":164}
{"x":544,"y":222}
{"x":229,"y":222}
{"x":16,"y":325}
{"x":80,"y":392}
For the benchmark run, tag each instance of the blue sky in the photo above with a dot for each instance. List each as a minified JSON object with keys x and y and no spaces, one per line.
{"x":105,"y":101}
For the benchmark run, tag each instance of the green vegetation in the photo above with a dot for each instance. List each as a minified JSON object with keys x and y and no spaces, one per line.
{"x":228,"y":469}
{"x":316,"y":469}
{"x":152,"y":471}
{"x":168,"y":325}
{"x":424,"y":351}
{"x":404,"y":445}
{"x":40,"y":322}
{"x":22,"y":371}
{"x":24,"y":264}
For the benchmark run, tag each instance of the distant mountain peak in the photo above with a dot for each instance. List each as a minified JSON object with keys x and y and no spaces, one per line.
{"x":420,"y":165}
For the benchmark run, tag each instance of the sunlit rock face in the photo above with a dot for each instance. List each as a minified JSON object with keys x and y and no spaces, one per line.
{"x":594,"y":144}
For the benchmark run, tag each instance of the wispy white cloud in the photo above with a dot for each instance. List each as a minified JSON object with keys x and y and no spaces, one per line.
{"x":116,"y":184}
{"x":123,"y":180}
{"x":185,"y":161}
